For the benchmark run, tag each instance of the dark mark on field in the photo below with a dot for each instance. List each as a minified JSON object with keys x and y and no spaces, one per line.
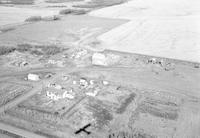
{"x":171,"y":114}
{"x":126,"y":103}
{"x":124,"y":134}
{"x":100,"y":112}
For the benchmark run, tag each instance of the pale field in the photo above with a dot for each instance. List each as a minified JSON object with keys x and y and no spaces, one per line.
{"x":160,"y":28}
{"x":71,"y":30}
{"x":12,"y":15}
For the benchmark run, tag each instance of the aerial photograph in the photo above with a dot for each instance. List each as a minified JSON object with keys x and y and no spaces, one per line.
{"x":99,"y":68}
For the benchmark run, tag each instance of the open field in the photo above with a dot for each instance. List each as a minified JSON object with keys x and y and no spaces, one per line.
{"x":167,"y":29}
{"x":131,"y":72}
{"x":43,"y":8}
{"x":69,"y":30}
{"x":13,"y":15}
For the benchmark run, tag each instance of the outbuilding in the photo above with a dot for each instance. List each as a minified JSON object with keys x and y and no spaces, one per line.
{"x":33,"y":77}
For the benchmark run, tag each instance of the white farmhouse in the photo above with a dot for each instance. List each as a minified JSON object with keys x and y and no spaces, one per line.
{"x":33,"y":77}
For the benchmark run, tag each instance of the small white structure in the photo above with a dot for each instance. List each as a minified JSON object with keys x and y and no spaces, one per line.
{"x":105,"y":59}
{"x":52,"y":96}
{"x":58,"y":63}
{"x":152,"y":60}
{"x":99,"y":59}
{"x":80,"y":53}
{"x":56,"y":86}
{"x":91,"y":82}
{"x":33,"y":77}
{"x":68,"y":95}
{"x":52,"y":62}
{"x":74,"y":82}
{"x":93,"y":93}
{"x":105,"y":82}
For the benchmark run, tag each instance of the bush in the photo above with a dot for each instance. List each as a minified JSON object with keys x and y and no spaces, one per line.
{"x":73,"y":11}
{"x":39,"y":49}
{"x":6,"y":50}
{"x":51,"y":50}
{"x":36,"y":52}
{"x":65,"y":11}
{"x":24,"y":47}
{"x":79,"y":12}
{"x":33,"y":19}
{"x":99,"y":4}
{"x":51,"y":18}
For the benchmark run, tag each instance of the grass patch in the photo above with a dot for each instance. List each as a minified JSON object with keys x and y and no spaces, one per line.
{"x":100,"y":112}
{"x":39,"y":49}
{"x":156,"y":111}
{"x":73,"y":11}
{"x":100,"y":3}
{"x":65,"y":11}
{"x":20,"y":2}
{"x":24,"y":47}
{"x":51,"y":50}
{"x":51,"y":18}
{"x":6,"y":29}
{"x":6,"y":50}
{"x":36,"y":52}
{"x":32,"y":49}
{"x":61,"y":1}
{"x":33,"y":19}
{"x":12,"y":135}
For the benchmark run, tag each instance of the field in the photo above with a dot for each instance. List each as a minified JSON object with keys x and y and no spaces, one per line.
{"x":166,"y":30}
{"x":135,"y":95}
{"x":99,"y":69}
{"x":16,"y":1}
{"x":10,"y":91}
{"x":8,"y":15}
{"x":69,"y":31}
